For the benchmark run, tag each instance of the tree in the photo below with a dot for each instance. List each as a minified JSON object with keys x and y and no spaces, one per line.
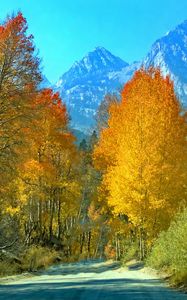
{"x":19,"y":78}
{"x":93,"y":140}
{"x":49,"y":171}
{"x":143,"y":154}
{"x":83,"y":145}
{"x":102,"y":115}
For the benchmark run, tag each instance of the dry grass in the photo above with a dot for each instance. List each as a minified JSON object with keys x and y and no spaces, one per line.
{"x":9,"y":268}
{"x":37,"y":257}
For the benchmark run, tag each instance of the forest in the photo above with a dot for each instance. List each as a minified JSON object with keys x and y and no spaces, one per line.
{"x":119,"y":195}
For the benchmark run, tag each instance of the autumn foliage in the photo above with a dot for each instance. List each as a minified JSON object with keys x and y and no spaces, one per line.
{"x":142,"y":155}
{"x":48,"y":186}
{"x":108,"y":197}
{"x":40,"y":186}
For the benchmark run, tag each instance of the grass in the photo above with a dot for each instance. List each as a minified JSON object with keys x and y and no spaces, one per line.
{"x":37,"y":257}
{"x":31,"y":260}
{"x":8,"y":268}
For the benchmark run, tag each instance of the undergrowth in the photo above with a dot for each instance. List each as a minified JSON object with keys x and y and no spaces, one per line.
{"x":31,"y":260}
{"x":169,"y":252}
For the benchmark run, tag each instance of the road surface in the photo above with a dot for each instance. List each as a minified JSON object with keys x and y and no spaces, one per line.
{"x":89,"y":281}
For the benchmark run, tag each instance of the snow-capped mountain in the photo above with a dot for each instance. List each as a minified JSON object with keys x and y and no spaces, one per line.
{"x":85,"y":84}
{"x":170,"y":53}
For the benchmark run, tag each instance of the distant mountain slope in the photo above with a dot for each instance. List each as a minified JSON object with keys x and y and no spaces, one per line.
{"x":85,"y":84}
{"x":79,"y":135}
{"x":170,"y":53}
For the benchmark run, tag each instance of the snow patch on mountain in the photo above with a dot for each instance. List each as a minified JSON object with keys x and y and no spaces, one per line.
{"x":170,"y":54}
{"x":86,"y":83}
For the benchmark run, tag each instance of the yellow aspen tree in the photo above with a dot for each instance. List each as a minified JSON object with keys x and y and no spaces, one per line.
{"x":143,"y":153}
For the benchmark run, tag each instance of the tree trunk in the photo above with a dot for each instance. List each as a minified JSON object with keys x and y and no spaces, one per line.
{"x":82,"y":242}
{"x":59,"y":219}
{"x":89,"y":242}
{"x":52,"y":208}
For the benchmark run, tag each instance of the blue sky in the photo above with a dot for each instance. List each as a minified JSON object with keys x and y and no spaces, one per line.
{"x":65,"y":30}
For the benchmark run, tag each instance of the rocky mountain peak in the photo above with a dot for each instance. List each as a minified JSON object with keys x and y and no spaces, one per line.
{"x":100,"y":72}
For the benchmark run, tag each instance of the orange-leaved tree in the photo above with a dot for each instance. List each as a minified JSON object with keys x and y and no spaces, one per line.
{"x":19,"y":78}
{"x":48,"y":172}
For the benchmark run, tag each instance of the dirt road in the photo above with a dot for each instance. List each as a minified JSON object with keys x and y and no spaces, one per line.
{"x":92,"y":281}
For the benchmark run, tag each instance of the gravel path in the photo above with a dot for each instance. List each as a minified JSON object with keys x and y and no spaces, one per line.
{"x":92,"y":281}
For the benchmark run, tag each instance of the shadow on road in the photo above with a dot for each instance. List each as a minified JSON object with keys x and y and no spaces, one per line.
{"x":117,"y":289}
{"x":136,"y":266}
{"x":106,"y":282}
{"x":76,"y":268}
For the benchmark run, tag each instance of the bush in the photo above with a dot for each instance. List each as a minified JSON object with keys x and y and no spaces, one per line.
{"x":7,"y":268}
{"x":131,"y":253}
{"x":170,"y":250}
{"x":37,"y":257}
{"x":110,"y":252}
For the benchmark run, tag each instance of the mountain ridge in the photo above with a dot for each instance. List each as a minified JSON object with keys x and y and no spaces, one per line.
{"x":99,"y":72}
{"x":170,"y":54}
{"x":87,"y":81}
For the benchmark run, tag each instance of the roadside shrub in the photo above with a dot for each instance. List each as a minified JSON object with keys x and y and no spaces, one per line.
{"x":131,"y":252}
{"x":37,"y":257}
{"x":170,"y":250}
{"x":110,"y":252}
{"x":7,"y":268}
